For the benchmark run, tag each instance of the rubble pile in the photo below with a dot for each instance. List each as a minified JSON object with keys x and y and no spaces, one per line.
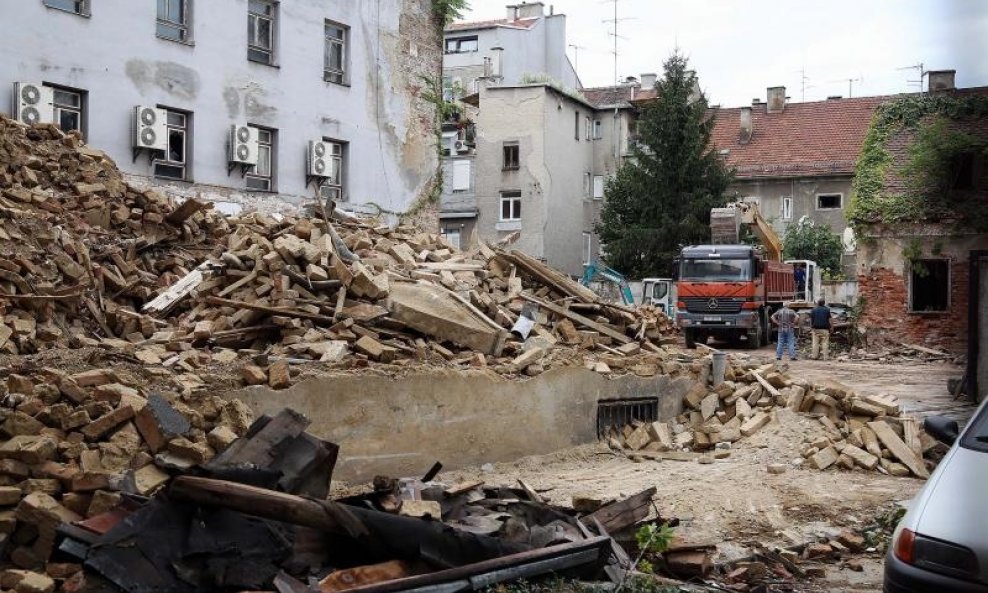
{"x":854,"y":430}
{"x":899,"y":353}
{"x":73,"y":444}
{"x":91,"y":261}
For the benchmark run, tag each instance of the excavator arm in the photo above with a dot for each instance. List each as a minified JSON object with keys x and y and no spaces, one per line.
{"x":750,"y":216}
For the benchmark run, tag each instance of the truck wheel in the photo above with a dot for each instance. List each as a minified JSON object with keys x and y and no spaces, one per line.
{"x":755,"y":337}
{"x":765,"y":332}
{"x":690,"y":336}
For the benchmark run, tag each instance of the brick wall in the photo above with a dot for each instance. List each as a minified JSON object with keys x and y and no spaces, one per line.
{"x":887,"y":317}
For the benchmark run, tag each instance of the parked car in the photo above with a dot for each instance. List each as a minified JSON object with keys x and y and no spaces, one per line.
{"x":941,"y":544}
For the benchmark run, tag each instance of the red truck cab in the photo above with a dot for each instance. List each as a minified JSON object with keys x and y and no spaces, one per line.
{"x":729,"y":291}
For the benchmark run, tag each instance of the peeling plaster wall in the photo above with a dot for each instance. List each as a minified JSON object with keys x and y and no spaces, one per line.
{"x":115,"y":56}
{"x":400,"y":426}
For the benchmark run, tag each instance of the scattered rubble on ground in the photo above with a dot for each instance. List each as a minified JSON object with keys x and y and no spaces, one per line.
{"x":899,"y":353}
{"x":863,"y":431}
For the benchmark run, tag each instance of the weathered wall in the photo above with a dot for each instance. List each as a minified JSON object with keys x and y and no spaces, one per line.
{"x":115,"y":56}
{"x":883,"y":286}
{"x":400,"y":426}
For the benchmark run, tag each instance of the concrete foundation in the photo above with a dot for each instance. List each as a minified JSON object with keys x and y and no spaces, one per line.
{"x":400,"y":426}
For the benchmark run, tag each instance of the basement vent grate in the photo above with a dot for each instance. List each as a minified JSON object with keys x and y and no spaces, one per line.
{"x":618,"y":413}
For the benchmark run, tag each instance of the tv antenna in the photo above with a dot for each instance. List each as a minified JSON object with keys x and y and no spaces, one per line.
{"x":576,"y":56}
{"x":922,"y":74}
{"x":616,"y":21}
{"x":850,"y":84}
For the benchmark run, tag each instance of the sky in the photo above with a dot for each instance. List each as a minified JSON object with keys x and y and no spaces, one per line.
{"x":738,"y":48}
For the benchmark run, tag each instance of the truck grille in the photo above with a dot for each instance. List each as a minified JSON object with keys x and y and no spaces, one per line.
{"x":713,"y":305}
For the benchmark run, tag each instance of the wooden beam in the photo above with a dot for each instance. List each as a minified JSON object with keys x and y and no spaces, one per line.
{"x":598,"y":327}
{"x":269,"y":310}
{"x":624,"y":513}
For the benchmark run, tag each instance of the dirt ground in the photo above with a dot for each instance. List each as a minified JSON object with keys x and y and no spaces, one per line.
{"x":735,"y":502}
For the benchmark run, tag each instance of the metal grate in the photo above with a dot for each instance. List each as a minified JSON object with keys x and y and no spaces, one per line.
{"x":725,"y":305}
{"x":618,"y":413}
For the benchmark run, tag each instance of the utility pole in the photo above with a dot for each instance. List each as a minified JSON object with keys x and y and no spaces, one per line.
{"x":617,"y":83}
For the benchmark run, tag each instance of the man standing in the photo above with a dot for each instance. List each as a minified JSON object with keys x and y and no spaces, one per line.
{"x":786,"y":320}
{"x":799,"y":274}
{"x":820,"y":326}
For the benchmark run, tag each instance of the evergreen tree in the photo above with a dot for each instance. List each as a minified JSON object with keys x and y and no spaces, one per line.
{"x":661,"y":198}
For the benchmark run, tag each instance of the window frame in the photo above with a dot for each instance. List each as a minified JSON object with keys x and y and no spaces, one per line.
{"x":82,"y":7}
{"x":587,"y":124}
{"x":946,"y":261}
{"x":343,"y":42}
{"x":508,"y":148}
{"x":513,"y":199}
{"x":458,"y":41}
{"x":253,"y":18}
{"x":272,"y":149}
{"x":603,"y":184}
{"x":840,"y":197}
{"x":783,"y":211}
{"x":81,"y":110}
{"x":338,"y":154}
{"x":587,"y":184}
{"x":576,"y":125}
{"x":587,"y":247}
{"x":184,"y":28}
{"x":459,"y":164}
{"x":598,"y":129}
{"x":186,"y":130}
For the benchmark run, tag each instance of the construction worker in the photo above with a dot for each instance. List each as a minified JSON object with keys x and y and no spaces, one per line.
{"x":786,"y":320}
{"x":799,"y":274}
{"x":820,"y":326}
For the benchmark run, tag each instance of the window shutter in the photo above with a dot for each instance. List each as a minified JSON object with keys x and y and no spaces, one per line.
{"x":461,"y":175}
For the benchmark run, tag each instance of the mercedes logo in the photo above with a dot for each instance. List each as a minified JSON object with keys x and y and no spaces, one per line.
{"x":713,"y":304}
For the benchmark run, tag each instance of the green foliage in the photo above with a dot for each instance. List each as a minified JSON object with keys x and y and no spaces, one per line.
{"x":932,"y":155}
{"x":912,"y":252}
{"x":445,"y":12}
{"x":871,"y":203}
{"x":661,"y":198}
{"x":816,"y":242}
{"x":654,"y":539}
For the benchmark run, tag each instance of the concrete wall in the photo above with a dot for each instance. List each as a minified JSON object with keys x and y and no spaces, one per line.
{"x":539,"y":50}
{"x":116,"y":57}
{"x":841,"y":291}
{"x":804,"y":193}
{"x":400,"y":426}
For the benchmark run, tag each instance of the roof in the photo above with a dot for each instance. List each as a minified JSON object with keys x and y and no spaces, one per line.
{"x":476,"y":25}
{"x":805,"y":139}
{"x":617,"y":95}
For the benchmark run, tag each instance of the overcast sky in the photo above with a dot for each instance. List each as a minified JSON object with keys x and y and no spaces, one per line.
{"x":740,"y":47}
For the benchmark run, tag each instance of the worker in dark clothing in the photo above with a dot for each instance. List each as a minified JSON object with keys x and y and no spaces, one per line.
{"x":820,"y":326}
{"x":800,"y":275}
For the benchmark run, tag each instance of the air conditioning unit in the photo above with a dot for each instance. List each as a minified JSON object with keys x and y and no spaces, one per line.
{"x":452,"y":140}
{"x":243,"y":144}
{"x":320,"y":163}
{"x":461,"y":147}
{"x":150,"y":128}
{"x":34,"y":103}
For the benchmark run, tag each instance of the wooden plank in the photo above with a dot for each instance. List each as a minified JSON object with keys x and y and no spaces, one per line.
{"x":185,"y":210}
{"x":910,"y":434}
{"x":362,"y":576}
{"x":463,"y":488}
{"x":598,"y":327}
{"x":242,"y":282}
{"x":530,"y":492}
{"x":925,"y":350}
{"x":267,"y":309}
{"x":551,"y":277}
{"x":452,"y":267}
{"x":260,"y":449}
{"x":175,"y":293}
{"x":768,"y":386}
{"x":899,"y":449}
{"x":624,"y":513}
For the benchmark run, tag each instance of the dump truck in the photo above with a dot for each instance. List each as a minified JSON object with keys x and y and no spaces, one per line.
{"x":728,"y":289}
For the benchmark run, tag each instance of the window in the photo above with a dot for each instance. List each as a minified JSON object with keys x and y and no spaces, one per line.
{"x":576,"y":125}
{"x":511,"y":154}
{"x":69,"y":109}
{"x":587,"y":248}
{"x":173,"y":19}
{"x":588,"y":129}
{"x":335,"y":60}
{"x":461,"y":175}
{"x":452,"y":236}
{"x":75,"y":6}
{"x":598,"y":187}
{"x":174,"y":164}
{"x":510,"y":206}
{"x":786,"y":211}
{"x":587,"y":184}
{"x":929,"y":286}
{"x":459,"y":45}
{"x":332,"y":186}
{"x":261,"y":178}
{"x":597,"y":130}
{"x":963,"y":168}
{"x":829,"y":201}
{"x":261,"y":25}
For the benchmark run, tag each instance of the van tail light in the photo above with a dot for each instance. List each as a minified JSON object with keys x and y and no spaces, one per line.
{"x":905,"y":545}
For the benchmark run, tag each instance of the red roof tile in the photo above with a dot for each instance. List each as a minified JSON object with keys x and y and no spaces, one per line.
{"x":470,"y":26}
{"x":805,"y":139}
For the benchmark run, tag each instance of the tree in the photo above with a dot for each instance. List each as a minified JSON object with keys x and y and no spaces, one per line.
{"x":661,"y":198}
{"x":816,"y":242}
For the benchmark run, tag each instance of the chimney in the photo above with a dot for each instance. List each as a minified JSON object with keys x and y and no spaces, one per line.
{"x":776,"y":99}
{"x":649,"y":79}
{"x":746,"y":125}
{"x":497,"y":61}
{"x":942,"y":80}
{"x":526,"y":10}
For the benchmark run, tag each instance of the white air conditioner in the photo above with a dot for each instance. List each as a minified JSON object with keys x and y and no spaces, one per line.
{"x":150,"y":128}
{"x":461,"y":147}
{"x":320,"y":162}
{"x":34,"y":103}
{"x":243,"y":147}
